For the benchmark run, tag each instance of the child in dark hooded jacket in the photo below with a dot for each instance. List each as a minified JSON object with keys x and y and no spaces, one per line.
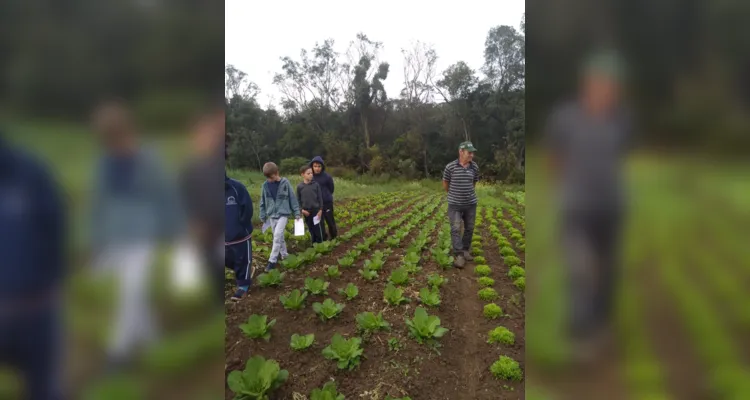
{"x":326,"y":184}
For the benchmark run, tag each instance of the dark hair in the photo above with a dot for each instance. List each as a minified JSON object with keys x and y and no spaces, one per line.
{"x":304,"y":168}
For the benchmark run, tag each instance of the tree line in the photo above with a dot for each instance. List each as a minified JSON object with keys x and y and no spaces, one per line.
{"x":335,"y":104}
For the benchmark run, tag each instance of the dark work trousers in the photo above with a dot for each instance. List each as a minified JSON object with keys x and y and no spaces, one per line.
{"x":316,"y":231}
{"x":456,"y":215}
{"x":329,"y":220}
{"x":238,"y":257}
{"x":31,"y":343}
{"x":590,"y":244}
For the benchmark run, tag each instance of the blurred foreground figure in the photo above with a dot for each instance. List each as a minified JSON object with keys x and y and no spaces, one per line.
{"x":134,"y":208}
{"x":202,"y":188}
{"x":32,"y":273}
{"x":587,"y":140}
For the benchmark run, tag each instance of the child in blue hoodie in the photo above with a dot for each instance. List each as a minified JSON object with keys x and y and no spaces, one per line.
{"x":277,"y":204}
{"x":238,"y":229}
{"x":326,"y":184}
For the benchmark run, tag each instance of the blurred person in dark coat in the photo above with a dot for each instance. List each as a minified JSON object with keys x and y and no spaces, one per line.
{"x":202,"y":185}
{"x":135,"y":207}
{"x":32,"y":272}
{"x":587,"y":140}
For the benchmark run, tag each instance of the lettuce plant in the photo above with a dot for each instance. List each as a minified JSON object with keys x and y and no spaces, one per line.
{"x":301,"y":342}
{"x":346,"y":352}
{"x":259,"y":378}
{"x":393,"y":295}
{"x":424,"y":327}
{"x":370,"y":322}
{"x":316,"y":286}
{"x":350,"y":291}
{"x":328,"y":309}
{"x":257,"y":327}
{"x":295,"y":300}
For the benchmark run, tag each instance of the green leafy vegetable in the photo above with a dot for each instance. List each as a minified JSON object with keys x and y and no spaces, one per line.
{"x":256,"y":327}
{"x":333,"y":272}
{"x":301,"y":342}
{"x":424,"y":327}
{"x":272,"y":278}
{"x":502,"y":335}
{"x":259,"y":378}
{"x":393,"y":295}
{"x":487,"y":294}
{"x":328,"y":309}
{"x":370,"y":322}
{"x":482,"y":270}
{"x":350,"y":291}
{"x":295,"y":300}
{"x":316,"y":286}
{"x":506,"y":368}
{"x":485,"y":281}
{"x":346,"y":352}
{"x":492,"y":311}
{"x":368,"y":274}
{"x":430,"y":297}
{"x":435,"y":280}
{"x":399,"y":276}
{"x":328,"y":392}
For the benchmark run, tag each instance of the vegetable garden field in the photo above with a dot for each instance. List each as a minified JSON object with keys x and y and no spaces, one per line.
{"x":381,"y":313}
{"x":683,"y":325}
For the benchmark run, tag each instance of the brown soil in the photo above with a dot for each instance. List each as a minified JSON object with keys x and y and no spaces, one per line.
{"x":458,"y":369}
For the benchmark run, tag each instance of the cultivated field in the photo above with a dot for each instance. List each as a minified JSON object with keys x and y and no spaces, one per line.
{"x":186,"y":362}
{"x":381,"y":312}
{"x":684,"y":320}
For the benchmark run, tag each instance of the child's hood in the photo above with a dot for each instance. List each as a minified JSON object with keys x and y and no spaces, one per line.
{"x":319,"y":159}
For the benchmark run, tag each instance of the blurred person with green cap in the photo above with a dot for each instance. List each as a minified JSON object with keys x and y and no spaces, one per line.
{"x":587,"y":140}
{"x":459,"y":181}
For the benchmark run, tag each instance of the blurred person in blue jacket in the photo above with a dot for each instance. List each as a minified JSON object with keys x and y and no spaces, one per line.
{"x":201,"y":186}
{"x":32,"y":267}
{"x":587,"y":140}
{"x":135,"y":207}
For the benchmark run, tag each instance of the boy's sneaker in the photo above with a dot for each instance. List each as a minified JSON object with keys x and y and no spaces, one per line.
{"x":468,"y":256}
{"x":459,"y":261}
{"x":239,"y":294}
{"x":270,"y":266}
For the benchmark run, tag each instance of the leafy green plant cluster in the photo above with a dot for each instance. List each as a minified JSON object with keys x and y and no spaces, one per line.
{"x":316,"y":286}
{"x":424,"y":327}
{"x":294,"y":300}
{"x":328,"y":309}
{"x":487,"y":294}
{"x":302,"y":342}
{"x":502,"y":335}
{"x":493,"y":311}
{"x":350,"y":291}
{"x":258,"y":327}
{"x":482,"y":270}
{"x":272,"y":278}
{"x":346,"y":352}
{"x":485,"y":281}
{"x":327,"y":392}
{"x":259,"y":378}
{"x":507,"y":368}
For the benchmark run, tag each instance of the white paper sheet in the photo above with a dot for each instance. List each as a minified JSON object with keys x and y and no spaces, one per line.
{"x":299,"y":227}
{"x":316,"y":220}
{"x":265,"y":226}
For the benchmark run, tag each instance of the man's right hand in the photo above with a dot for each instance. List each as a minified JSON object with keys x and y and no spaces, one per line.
{"x":307,"y":214}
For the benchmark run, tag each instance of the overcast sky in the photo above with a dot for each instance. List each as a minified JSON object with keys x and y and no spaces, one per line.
{"x":258,"y":33}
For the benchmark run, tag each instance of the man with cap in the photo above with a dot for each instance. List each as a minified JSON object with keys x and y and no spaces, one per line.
{"x":459,"y":180}
{"x":587,"y":140}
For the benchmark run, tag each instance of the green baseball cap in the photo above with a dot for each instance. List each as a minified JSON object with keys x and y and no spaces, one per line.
{"x":467,"y":146}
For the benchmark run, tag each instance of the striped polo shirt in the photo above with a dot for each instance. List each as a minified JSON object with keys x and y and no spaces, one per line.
{"x":461,"y":183}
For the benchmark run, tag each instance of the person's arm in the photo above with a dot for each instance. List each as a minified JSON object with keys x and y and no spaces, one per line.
{"x":53,"y":218}
{"x":262,"y":206}
{"x":246,"y":206}
{"x":446,"y":178}
{"x":319,"y":189}
{"x":294,"y":203}
{"x":330,"y":184}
